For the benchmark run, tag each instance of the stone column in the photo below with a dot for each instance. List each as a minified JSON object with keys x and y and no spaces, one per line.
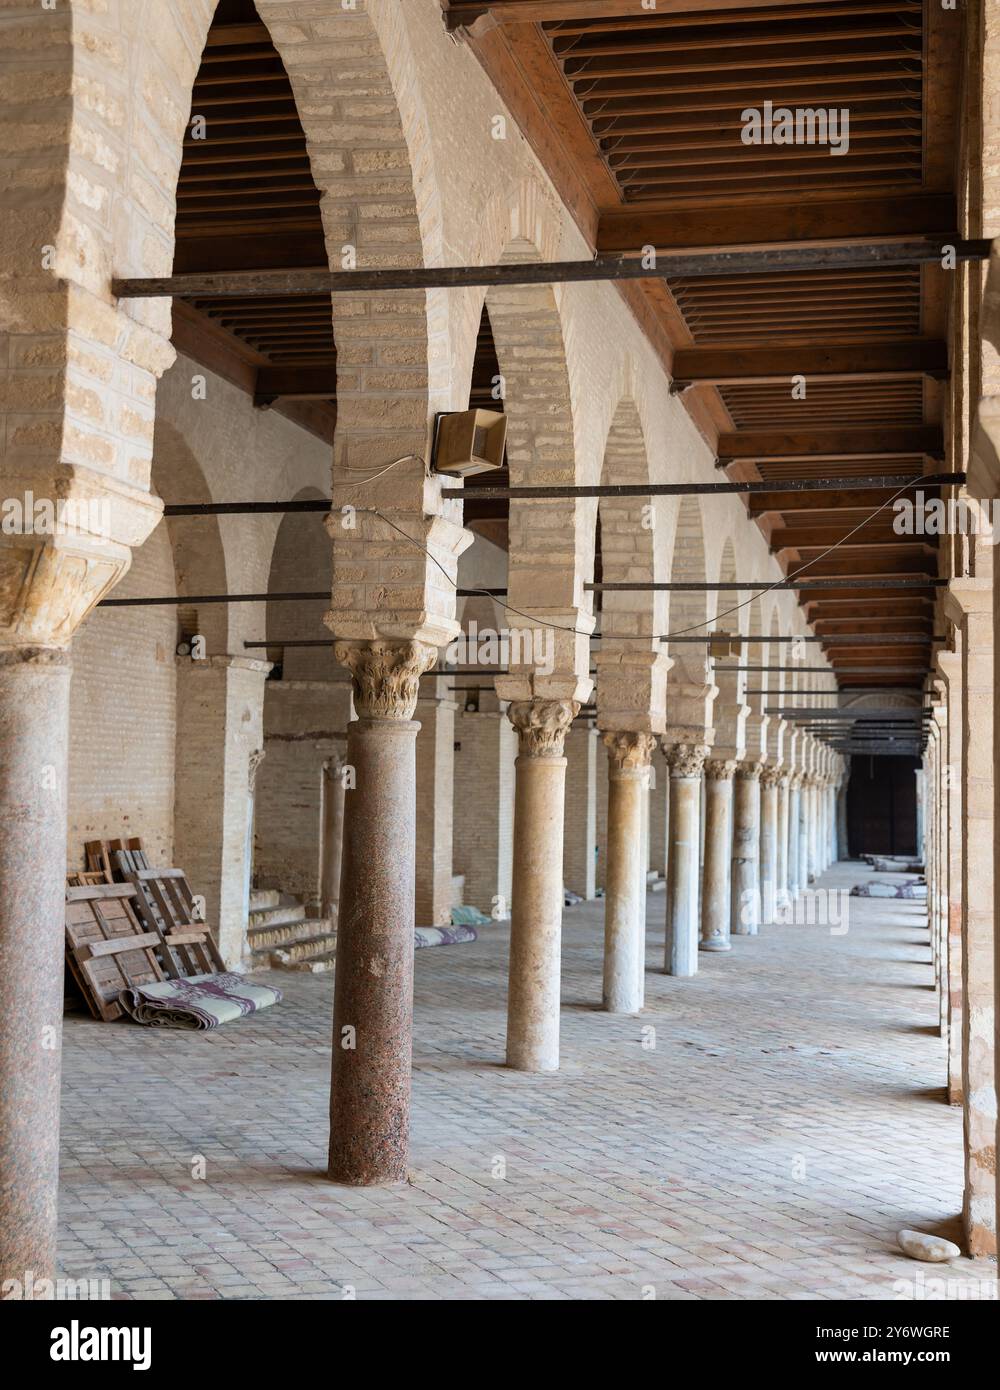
{"x":602,"y":823}
{"x":781,"y":864}
{"x":843,"y":844}
{"x":659,"y":818}
{"x":969,"y":603}
{"x":580,"y":849}
{"x":803,"y":832}
{"x":813,"y":827}
{"x":769,"y":844}
{"x":220,"y":726}
{"x":484,"y":805}
{"x":331,"y":849}
{"x":685,"y":761}
{"x":746,"y":850}
{"x":950,"y":665}
{"x":536,"y":916}
{"x":794,"y":813}
{"x":435,"y":714}
{"x":716,"y":897}
{"x":34,"y":722}
{"x":373,"y":999}
{"x":629,"y":756}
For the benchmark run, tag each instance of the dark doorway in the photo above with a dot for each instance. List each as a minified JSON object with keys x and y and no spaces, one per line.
{"x":882,"y":806}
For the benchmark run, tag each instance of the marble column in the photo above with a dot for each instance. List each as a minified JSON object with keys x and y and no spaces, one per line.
{"x":746,"y":850}
{"x":804,"y":837}
{"x":580,"y":849}
{"x":794,"y":812}
{"x":34,"y":722}
{"x":812,"y":826}
{"x":536,"y":914}
{"x":435,"y":714}
{"x":373,"y":998}
{"x":332,"y":846}
{"x":659,"y":819}
{"x":781,"y":863}
{"x":685,"y":761}
{"x":769,"y":844}
{"x":629,"y":756}
{"x":716,"y":897}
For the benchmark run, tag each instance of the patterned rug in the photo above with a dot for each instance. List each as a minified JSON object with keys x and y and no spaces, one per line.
{"x":199,"y":1002}
{"x":442,"y":936}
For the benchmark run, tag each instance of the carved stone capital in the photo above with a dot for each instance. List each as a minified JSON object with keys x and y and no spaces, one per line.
{"x":749,"y":772}
{"x":386,"y":675}
{"x":685,"y":759}
{"x":542,"y":725}
{"x":771,"y":776}
{"x":720,"y":769}
{"x":796,"y":780}
{"x":629,"y":751}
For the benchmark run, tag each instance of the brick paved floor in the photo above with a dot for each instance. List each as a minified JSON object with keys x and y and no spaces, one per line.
{"x":788,"y":1122}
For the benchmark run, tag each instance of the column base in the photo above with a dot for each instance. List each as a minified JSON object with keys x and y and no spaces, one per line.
{"x":716,"y":946}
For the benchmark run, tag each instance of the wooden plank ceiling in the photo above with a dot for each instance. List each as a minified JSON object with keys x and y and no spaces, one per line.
{"x":246,"y":199}
{"x":638,"y":119}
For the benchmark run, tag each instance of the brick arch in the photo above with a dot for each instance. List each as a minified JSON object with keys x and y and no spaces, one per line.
{"x":196,"y":542}
{"x":688,"y":562}
{"x":300,"y":562}
{"x":627,"y":549}
{"x":547,"y":539}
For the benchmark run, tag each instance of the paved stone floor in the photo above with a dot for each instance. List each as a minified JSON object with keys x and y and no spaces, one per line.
{"x":788,"y":1121}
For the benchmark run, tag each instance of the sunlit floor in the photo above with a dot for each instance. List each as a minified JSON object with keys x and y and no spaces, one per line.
{"x":760,"y":1131}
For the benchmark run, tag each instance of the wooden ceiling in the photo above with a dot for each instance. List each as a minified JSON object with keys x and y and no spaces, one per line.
{"x":638,"y":118}
{"x":246,"y":199}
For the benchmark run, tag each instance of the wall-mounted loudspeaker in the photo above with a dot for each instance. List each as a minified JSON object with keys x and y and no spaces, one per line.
{"x":469,"y":441}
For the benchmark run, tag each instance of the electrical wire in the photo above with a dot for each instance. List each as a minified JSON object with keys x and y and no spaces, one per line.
{"x":665,"y":637}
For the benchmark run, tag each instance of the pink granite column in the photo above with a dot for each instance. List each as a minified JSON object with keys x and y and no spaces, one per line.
{"x":373,"y":996}
{"x":536,"y":909}
{"x":332,"y":846}
{"x":34,"y":722}
{"x":629,"y":756}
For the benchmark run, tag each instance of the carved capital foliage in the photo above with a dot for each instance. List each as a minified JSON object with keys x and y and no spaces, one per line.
{"x":542,"y":725}
{"x":720,"y":769}
{"x":771,"y":776}
{"x":686,"y":759}
{"x":749,"y":772}
{"x":630,"y":751}
{"x":386,"y":675}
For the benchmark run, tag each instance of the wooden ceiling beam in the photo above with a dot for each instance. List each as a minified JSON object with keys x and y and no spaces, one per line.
{"x":831,"y":444}
{"x":484,"y":14}
{"x":730,"y":365}
{"x":776,"y":224}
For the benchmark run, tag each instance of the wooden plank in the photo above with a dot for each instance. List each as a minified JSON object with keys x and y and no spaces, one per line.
{"x":106,"y":947}
{"x":796,"y":444}
{"x":879,"y":361}
{"x":775,"y":224}
{"x":484,"y":14}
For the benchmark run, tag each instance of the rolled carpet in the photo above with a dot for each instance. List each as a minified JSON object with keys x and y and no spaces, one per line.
{"x":199,"y":1002}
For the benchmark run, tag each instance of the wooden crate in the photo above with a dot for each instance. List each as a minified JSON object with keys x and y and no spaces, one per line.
{"x":165,"y":905}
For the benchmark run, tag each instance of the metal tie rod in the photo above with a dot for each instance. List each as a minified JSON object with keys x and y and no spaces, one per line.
{"x":668,"y":263}
{"x":306,"y":596}
{"x":740,"y":587}
{"x":874,"y":482}
{"x":863,"y":639}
